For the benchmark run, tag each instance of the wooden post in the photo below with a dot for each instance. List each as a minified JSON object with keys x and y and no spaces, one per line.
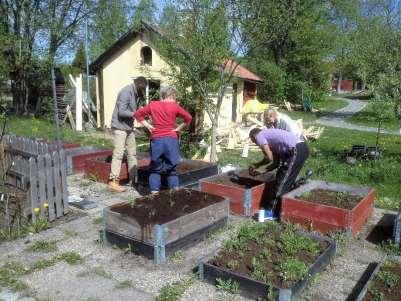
{"x":97,"y":103}
{"x":78,"y":103}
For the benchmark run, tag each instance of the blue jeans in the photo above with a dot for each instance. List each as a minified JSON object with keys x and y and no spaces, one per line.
{"x":165,"y":156}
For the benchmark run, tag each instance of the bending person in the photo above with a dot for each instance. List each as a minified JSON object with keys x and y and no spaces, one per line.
{"x":282,"y":150}
{"x":274,"y":119}
{"x":165,"y":153}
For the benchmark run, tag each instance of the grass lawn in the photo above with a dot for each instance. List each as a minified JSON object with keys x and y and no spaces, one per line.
{"x":330,"y":104}
{"x":42,"y":128}
{"x":367,"y":117}
{"x":326,"y":162}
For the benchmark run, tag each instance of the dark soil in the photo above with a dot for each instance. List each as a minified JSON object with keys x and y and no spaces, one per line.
{"x":139,"y":156}
{"x":270,"y":242}
{"x":166,"y":206}
{"x":380,"y":287}
{"x":190,"y":165}
{"x":244,"y":180}
{"x":331,"y":198}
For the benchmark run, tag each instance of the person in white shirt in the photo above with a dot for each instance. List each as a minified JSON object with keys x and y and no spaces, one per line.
{"x":274,"y":119}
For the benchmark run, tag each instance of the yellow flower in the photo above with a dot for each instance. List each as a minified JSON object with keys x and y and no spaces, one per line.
{"x":46,"y":205}
{"x":36,"y":210}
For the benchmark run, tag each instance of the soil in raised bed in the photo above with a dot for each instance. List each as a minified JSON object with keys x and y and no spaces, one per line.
{"x":387,"y":283}
{"x":331,"y":198}
{"x":165,"y":206}
{"x":244,"y":180}
{"x":271,"y":253}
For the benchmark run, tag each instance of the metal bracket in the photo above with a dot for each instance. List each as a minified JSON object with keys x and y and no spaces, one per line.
{"x":159,"y":244}
{"x":247,"y":202}
{"x":397,"y":230}
{"x":201,"y":271}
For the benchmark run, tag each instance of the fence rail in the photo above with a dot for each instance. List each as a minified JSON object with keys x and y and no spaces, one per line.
{"x":40,"y":170}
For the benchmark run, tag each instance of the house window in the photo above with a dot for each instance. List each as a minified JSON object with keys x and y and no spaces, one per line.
{"x":146,"y":56}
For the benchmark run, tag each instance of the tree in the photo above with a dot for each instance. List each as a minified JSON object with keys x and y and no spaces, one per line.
{"x":145,"y":11}
{"x":294,"y":43}
{"x":108,"y":24}
{"x":203,"y":46}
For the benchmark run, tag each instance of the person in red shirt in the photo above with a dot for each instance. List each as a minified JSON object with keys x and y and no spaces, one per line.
{"x":165,"y":152}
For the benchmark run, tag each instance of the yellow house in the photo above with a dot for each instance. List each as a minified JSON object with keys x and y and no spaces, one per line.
{"x":133,"y":56}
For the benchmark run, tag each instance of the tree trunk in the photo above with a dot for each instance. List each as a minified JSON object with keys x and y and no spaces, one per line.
{"x":213,"y":151}
{"x":340,"y":78}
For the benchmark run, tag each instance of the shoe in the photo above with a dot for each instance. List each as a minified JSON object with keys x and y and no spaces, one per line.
{"x":267,"y":215}
{"x":114,"y":186}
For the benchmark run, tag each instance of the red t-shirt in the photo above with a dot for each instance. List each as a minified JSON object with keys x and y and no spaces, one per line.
{"x":164,"y":114}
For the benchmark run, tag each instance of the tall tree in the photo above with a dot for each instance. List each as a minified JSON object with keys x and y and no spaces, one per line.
{"x":203,"y":47}
{"x":109,"y":23}
{"x":144,"y":11}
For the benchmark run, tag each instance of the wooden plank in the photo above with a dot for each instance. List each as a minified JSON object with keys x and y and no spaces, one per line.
{"x":42,"y":183}
{"x":64,"y":187}
{"x":126,"y":226}
{"x":50,"y":187}
{"x":33,"y":190}
{"x":57,"y":184}
{"x":195,"y":221}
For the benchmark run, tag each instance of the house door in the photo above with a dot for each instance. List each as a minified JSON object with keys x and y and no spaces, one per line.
{"x":234,"y":104}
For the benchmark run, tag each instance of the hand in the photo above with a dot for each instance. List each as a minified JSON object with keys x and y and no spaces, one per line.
{"x":253,"y":172}
{"x":177,"y":129}
{"x":150,"y":128}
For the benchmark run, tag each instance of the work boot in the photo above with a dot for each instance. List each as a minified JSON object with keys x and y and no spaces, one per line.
{"x":115,"y":186}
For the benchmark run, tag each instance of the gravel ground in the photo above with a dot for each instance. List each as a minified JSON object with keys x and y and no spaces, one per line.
{"x":107,"y":273}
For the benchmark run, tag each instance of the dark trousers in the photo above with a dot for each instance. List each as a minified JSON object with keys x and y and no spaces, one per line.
{"x":165,"y":156}
{"x":287,"y":173}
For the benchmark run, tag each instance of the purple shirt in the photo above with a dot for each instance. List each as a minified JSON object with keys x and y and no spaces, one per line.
{"x":280,"y":142}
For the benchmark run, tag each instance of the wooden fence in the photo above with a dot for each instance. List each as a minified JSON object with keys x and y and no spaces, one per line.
{"x":42,"y":172}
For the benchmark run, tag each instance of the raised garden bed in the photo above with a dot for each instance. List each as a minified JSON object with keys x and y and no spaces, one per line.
{"x":328,"y":207}
{"x":158,"y":225}
{"x":76,"y":157}
{"x":188,"y":171}
{"x":381,"y":281}
{"x":268,"y":260}
{"x":245,"y":193}
{"x":99,"y":167}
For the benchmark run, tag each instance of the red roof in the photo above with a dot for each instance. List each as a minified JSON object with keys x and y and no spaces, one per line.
{"x":241,"y":71}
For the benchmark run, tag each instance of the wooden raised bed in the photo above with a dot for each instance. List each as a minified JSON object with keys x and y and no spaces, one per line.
{"x":373,"y":282}
{"x":188,"y":172}
{"x":100,"y":167}
{"x":156,"y":226}
{"x":326,"y":218}
{"x":246,"y":264}
{"x":245,"y":194}
{"x":76,"y":157}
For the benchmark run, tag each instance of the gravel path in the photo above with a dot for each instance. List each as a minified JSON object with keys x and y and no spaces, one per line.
{"x":338,"y":118}
{"x":107,"y":273}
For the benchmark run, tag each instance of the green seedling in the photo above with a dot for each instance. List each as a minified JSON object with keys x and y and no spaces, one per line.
{"x":178,"y":256}
{"x":229,"y":286}
{"x":174,"y":291}
{"x":71,"y":258}
{"x":10,"y":273}
{"x":43,"y":264}
{"x":97,"y":220}
{"x":292,"y":269}
{"x":388,"y":278}
{"x":43,"y":246}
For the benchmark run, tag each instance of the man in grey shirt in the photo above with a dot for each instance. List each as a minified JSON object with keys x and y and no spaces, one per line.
{"x":122,"y":125}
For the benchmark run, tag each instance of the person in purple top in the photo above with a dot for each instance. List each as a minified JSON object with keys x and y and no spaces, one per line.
{"x":284,"y":151}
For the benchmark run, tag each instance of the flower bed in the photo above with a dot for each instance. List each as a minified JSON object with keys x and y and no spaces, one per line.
{"x":158,"y":225}
{"x":327,"y":207}
{"x":99,"y":168}
{"x":245,"y":192}
{"x":381,"y":281}
{"x":268,"y":260}
{"x":188,"y":171}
